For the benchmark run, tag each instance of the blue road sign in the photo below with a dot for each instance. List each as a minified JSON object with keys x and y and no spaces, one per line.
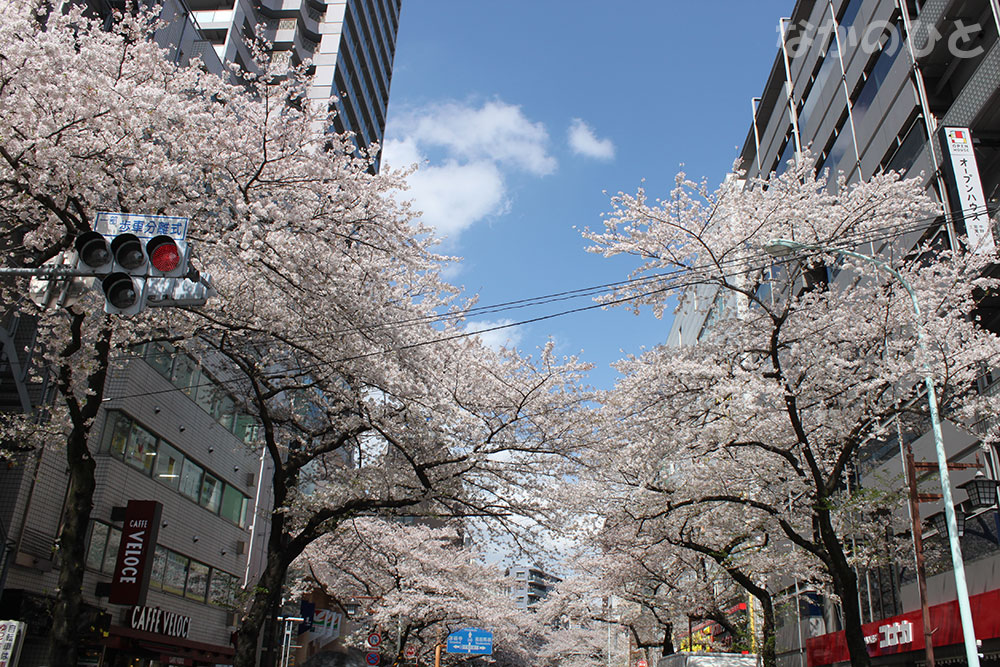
{"x":474,"y":641}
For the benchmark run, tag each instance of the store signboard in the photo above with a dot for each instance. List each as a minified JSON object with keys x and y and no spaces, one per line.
{"x":967,"y":189}
{"x":905,"y":633}
{"x":160,"y":622}
{"x":11,"y":639}
{"x":130,"y":580}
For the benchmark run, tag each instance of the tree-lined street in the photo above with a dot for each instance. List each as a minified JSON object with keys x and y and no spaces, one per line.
{"x":406,"y":460}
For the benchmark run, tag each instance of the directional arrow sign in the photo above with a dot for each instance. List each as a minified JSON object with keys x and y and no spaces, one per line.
{"x":474,"y":641}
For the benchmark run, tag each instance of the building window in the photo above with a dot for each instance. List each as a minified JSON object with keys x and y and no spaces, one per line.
{"x":141,"y":449}
{"x":156,"y":572}
{"x":222,"y":588}
{"x":130,"y":442}
{"x":168,"y":466}
{"x":197,"y":581}
{"x":191,"y":480}
{"x":98,"y":541}
{"x":211,"y":493}
{"x":184,"y":373}
{"x":171,"y":572}
{"x":175,"y":573}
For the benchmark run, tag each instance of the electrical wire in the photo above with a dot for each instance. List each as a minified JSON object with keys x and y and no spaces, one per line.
{"x":659,"y":279}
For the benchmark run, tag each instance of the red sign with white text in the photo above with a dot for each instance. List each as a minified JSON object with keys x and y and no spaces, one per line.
{"x":130,"y":580}
{"x":905,"y":633}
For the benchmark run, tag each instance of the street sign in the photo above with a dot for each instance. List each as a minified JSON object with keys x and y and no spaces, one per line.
{"x":143,"y":226}
{"x":474,"y":641}
{"x":641,"y":663}
{"x":11,"y":638}
{"x":374,"y":639}
{"x":410,"y":653}
{"x":371,"y":658}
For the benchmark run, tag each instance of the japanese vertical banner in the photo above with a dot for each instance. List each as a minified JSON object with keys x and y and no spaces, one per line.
{"x":969,"y":201}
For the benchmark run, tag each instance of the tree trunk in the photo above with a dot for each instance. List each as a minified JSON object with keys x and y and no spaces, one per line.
{"x":69,"y":596}
{"x":265,"y":599}
{"x":768,"y":656}
{"x":66,"y":613}
{"x":845,"y":584}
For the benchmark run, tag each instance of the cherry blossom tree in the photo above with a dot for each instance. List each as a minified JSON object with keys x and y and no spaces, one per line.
{"x":332,"y":316}
{"x":419,"y":579}
{"x":808,"y":359}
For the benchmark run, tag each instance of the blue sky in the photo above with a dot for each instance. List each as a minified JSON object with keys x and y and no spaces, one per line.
{"x":522,"y":113}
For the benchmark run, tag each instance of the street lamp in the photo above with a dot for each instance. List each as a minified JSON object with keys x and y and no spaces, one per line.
{"x":982,"y":491}
{"x":940,"y":522}
{"x":784,"y":247}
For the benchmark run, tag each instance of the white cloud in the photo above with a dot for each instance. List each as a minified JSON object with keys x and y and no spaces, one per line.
{"x":496,"y":131}
{"x":464,"y":154}
{"x":583,"y":142}
{"x":507,"y":337}
{"x":454,"y":196}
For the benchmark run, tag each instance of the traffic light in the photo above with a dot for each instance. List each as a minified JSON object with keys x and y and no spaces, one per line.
{"x":123,"y":294}
{"x":167,"y":257}
{"x":125,"y":263}
{"x":93,"y":252}
{"x":125,"y":287}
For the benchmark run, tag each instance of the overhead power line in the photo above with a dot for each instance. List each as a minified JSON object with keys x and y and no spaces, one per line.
{"x":659,"y":283}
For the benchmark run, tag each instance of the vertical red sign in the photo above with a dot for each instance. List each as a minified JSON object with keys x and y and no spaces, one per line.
{"x":130,"y":580}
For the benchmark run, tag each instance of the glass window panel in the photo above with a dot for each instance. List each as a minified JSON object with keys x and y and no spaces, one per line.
{"x":168,"y":465}
{"x":243,"y":512}
{"x":244,"y":427}
{"x":787,"y":155}
{"x":211,"y":493}
{"x":843,"y":146}
{"x":232,"y":505}
{"x":850,"y":14}
{"x":225,"y":410}
{"x":116,"y":434}
{"x":98,"y":539}
{"x":197,"y":581}
{"x":185,"y":375}
{"x":160,"y":356}
{"x":865,"y":100}
{"x":222,"y":590}
{"x":208,"y":395}
{"x":908,"y":151}
{"x":111,"y":552}
{"x":831,"y":64}
{"x":141,"y":449}
{"x":191,"y":480}
{"x":156,"y":572}
{"x":175,"y":573}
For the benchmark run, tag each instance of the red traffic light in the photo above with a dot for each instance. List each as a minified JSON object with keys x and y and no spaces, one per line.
{"x":163,"y":253}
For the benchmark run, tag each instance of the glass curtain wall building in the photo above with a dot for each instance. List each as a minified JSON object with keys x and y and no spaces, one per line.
{"x":351,"y":44}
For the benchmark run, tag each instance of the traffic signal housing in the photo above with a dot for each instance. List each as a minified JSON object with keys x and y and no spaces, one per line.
{"x":167,"y":257}
{"x":125,"y":287}
{"x":125,"y":263}
{"x":93,"y":253}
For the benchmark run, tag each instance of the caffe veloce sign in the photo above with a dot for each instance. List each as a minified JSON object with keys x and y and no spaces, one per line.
{"x":159,"y":622}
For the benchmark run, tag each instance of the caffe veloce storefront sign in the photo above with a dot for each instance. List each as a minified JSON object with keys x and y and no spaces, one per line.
{"x":905,"y":633}
{"x":153,"y":633}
